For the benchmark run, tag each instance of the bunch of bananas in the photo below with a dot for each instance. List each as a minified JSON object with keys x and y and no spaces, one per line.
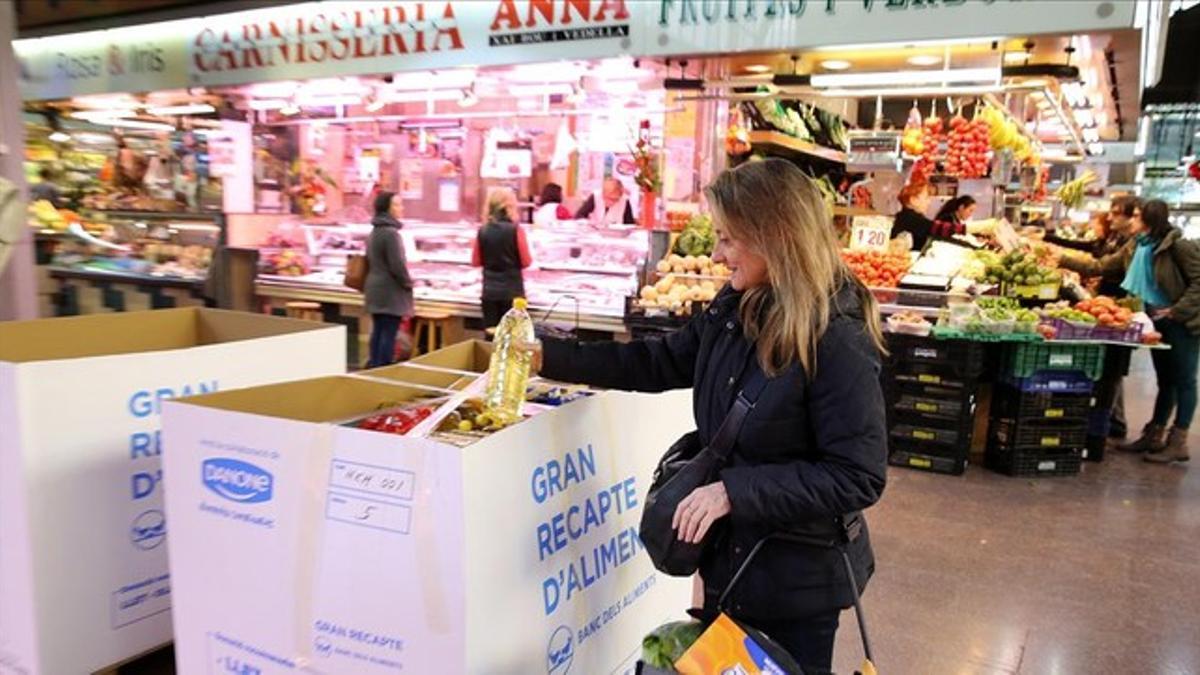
{"x":1071,"y":193}
{"x":1004,"y":134}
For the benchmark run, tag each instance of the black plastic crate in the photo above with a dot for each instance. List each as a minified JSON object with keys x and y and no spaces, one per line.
{"x":1053,"y":381}
{"x":1029,"y":358}
{"x":895,"y":389}
{"x":946,"y":409}
{"x":957,"y":359}
{"x":921,"y":431}
{"x":913,"y":375}
{"x":1011,"y":434}
{"x":954,"y":466}
{"x":1032,"y":463}
{"x":1011,"y":403}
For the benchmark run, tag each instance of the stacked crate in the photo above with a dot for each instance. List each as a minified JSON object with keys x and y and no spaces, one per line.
{"x":1040,"y":412}
{"x":931,"y":388}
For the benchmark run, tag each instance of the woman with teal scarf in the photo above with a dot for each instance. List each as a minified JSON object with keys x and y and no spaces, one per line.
{"x":1162,"y":269}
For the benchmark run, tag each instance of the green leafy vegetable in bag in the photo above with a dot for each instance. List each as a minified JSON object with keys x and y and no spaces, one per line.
{"x":665,"y":644}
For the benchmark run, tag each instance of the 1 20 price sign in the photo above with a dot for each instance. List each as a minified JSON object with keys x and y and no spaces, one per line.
{"x":870,"y":234}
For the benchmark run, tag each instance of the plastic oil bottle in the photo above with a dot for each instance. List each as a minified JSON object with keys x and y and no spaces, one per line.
{"x":508,"y":372}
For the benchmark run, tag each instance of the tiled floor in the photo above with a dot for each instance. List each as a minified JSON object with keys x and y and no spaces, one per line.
{"x":986,"y":574}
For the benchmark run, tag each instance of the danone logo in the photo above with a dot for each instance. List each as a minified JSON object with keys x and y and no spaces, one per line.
{"x":236,"y":480}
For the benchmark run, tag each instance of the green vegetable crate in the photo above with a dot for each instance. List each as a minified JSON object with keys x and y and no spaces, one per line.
{"x":1046,"y":291}
{"x":1028,"y":359}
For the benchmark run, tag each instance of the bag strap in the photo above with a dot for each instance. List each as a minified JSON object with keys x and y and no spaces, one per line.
{"x":850,"y":529}
{"x":727,"y":433}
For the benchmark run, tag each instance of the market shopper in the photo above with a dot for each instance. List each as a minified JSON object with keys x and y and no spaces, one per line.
{"x":812,"y":453}
{"x":608,"y":206}
{"x":389,"y":289}
{"x":502,"y":250}
{"x":1162,"y":269}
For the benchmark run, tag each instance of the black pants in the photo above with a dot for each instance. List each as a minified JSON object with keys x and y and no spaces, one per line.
{"x":809,"y":641}
{"x":494,"y":310}
{"x":383,"y":339}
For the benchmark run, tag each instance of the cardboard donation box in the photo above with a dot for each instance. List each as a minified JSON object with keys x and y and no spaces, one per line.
{"x":302,"y":542}
{"x":83,"y":560}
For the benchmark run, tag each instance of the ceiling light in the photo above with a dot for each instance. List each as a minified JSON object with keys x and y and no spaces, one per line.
{"x":267,"y":103}
{"x":423,"y":96}
{"x":290,"y":108}
{"x":184,"y":109}
{"x":872,"y":46}
{"x":453,"y":78}
{"x":468,"y":98}
{"x":1015,"y":57}
{"x":757,"y":68}
{"x":908,"y":77}
{"x":835,"y":64}
{"x":545,"y":89}
{"x":908,"y":91}
{"x":328,"y":100}
{"x":92,"y":115}
{"x":137,"y":124}
{"x":59,"y":137}
{"x":924,"y":60}
{"x":620,"y":87}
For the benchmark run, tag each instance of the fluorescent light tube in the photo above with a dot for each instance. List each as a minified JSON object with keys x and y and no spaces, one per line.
{"x":185,"y":109}
{"x":907,"y":77}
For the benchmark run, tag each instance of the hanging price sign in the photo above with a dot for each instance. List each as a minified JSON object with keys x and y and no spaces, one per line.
{"x":870,"y":233}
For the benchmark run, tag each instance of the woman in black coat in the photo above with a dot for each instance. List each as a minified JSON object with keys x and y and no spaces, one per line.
{"x":812,"y":454}
{"x":388,"y":291}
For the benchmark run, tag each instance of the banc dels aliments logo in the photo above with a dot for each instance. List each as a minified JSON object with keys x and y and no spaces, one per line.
{"x":237,"y":481}
{"x":560,"y":652}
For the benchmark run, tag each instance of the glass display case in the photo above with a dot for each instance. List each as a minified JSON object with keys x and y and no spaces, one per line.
{"x":158,"y":246}
{"x":574,"y":263}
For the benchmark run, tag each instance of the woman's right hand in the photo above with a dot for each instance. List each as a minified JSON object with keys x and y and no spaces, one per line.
{"x":534,"y":349}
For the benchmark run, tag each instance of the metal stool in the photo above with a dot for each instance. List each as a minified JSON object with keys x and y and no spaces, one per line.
{"x":305,"y":311}
{"x":429,"y":332}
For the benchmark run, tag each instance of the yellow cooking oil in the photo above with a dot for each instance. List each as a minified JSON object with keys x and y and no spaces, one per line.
{"x":508,"y":372}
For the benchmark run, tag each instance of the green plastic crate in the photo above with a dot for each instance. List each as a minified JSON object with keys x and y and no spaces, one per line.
{"x":1028,"y":359}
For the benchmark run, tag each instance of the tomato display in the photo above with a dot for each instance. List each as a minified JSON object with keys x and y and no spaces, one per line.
{"x":877,"y":269}
{"x":967,"y":148}
{"x":1107,"y":311}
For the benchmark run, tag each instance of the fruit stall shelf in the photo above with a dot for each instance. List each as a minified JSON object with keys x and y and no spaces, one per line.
{"x":790,"y":143}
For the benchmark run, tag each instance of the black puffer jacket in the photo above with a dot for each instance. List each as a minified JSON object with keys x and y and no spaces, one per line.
{"x":812,"y":450}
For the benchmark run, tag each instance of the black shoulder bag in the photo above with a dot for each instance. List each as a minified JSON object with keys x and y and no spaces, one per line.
{"x":684,"y":468}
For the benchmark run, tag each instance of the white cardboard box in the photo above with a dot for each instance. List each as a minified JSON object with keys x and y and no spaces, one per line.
{"x":83,"y":570}
{"x":302,"y":545}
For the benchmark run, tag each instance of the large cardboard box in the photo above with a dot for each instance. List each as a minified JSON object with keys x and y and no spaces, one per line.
{"x":299,"y":543}
{"x":83,"y":567}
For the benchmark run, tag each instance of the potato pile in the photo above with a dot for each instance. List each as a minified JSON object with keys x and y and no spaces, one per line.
{"x":692,"y":264}
{"x":684,"y":280}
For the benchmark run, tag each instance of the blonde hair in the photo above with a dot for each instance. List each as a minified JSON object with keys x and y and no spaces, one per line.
{"x":499,"y":198}
{"x":779,"y":213}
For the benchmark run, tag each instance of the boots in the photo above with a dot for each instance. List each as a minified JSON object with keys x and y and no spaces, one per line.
{"x":1176,"y":450}
{"x":1153,"y":439}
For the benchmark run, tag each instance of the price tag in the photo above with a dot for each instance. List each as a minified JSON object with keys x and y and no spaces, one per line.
{"x":923,"y":435}
{"x":927,"y":407}
{"x":1051,"y":441}
{"x":870,"y":234}
{"x":1055,"y":412}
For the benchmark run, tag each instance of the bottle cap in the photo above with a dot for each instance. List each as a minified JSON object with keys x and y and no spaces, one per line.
{"x":520,"y":303}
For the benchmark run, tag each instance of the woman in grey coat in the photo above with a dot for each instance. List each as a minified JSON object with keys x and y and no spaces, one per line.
{"x":388,"y":290}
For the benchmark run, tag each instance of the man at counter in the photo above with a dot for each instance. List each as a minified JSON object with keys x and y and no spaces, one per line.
{"x":615,"y":207}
